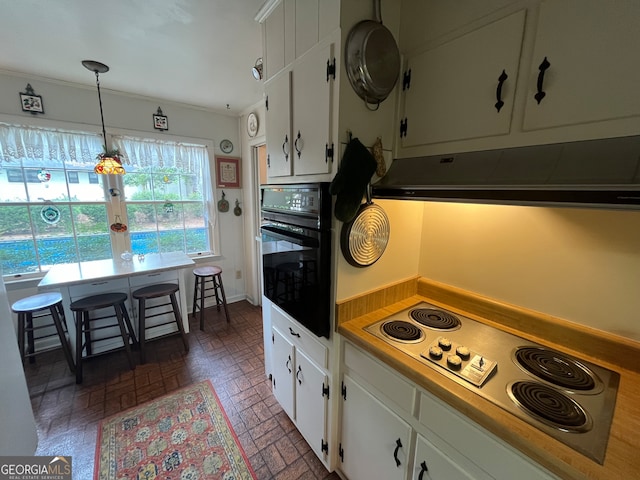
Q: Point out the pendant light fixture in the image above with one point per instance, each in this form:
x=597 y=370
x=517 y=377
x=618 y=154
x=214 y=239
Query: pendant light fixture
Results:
x=109 y=162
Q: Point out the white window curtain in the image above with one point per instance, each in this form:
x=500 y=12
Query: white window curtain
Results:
x=189 y=158
x=48 y=147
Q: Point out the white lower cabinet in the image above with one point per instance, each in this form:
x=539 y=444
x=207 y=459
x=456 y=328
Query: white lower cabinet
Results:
x=431 y=463
x=300 y=380
x=393 y=429
x=375 y=441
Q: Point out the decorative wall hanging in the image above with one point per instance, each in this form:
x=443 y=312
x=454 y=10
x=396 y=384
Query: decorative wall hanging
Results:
x=160 y=121
x=228 y=172
x=50 y=214
x=237 y=211
x=168 y=207
x=31 y=102
x=252 y=124
x=114 y=192
x=118 y=226
x=109 y=162
x=226 y=146
x=223 y=205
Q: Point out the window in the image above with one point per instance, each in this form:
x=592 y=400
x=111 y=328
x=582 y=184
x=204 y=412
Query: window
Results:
x=55 y=209
x=166 y=195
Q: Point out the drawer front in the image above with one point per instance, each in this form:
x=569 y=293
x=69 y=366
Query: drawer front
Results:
x=97 y=287
x=388 y=382
x=153 y=278
x=300 y=337
x=479 y=446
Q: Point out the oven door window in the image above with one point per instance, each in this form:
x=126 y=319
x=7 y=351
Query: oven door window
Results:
x=295 y=263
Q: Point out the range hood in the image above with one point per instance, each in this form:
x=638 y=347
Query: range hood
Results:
x=602 y=173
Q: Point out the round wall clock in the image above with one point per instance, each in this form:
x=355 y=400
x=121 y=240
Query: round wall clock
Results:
x=226 y=146
x=252 y=124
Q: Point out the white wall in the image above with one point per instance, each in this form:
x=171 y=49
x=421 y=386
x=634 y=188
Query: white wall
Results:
x=577 y=264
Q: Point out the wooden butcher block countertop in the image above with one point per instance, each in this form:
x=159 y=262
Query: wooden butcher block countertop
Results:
x=622 y=460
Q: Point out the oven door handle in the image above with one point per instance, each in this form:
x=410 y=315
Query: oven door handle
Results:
x=292 y=237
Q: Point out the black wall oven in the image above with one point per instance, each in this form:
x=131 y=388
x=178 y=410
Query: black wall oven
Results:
x=296 y=252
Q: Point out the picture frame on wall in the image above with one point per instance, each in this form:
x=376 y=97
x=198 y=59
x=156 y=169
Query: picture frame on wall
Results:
x=160 y=121
x=30 y=102
x=228 y=172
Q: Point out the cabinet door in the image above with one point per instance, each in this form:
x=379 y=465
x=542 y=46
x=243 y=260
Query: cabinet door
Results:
x=430 y=463
x=283 y=358
x=306 y=25
x=312 y=96
x=370 y=434
x=453 y=88
x=278 y=125
x=592 y=49
x=311 y=403
x=279 y=31
x=274 y=41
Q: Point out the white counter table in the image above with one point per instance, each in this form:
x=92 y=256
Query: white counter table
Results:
x=78 y=280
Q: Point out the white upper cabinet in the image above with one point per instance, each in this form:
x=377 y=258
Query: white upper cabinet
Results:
x=278 y=125
x=312 y=97
x=464 y=88
x=293 y=27
x=592 y=50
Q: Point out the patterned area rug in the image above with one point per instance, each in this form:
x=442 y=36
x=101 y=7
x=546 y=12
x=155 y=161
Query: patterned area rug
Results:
x=184 y=435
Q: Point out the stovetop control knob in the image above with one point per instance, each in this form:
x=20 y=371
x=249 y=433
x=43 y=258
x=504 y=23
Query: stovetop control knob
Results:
x=454 y=362
x=435 y=352
x=463 y=352
x=444 y=343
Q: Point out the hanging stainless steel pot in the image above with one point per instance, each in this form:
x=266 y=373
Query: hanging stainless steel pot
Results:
x=372 y=60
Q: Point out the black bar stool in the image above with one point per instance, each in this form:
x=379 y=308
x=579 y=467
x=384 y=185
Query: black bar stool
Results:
x=26 y=308
x=208 y=279
x=83 y=307
x=156 y=291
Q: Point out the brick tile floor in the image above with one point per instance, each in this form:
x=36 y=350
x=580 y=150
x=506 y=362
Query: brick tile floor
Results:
x=230 y=355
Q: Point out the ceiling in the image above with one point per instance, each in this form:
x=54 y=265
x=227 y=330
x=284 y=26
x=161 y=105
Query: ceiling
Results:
x=197 y=52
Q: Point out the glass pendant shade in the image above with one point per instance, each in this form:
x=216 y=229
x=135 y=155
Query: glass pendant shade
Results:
x=108 y=162
x=109 y=166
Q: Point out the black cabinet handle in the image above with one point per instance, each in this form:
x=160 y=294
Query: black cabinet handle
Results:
x=424 y=468
x=543 y=68
x=395 y=452
x=285 y=148
x=501 y=79
x=288 y=364
x=295 y=334
x=295 y=144
x=298 y=375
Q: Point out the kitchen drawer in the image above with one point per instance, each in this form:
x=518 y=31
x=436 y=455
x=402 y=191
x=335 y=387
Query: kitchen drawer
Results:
x=300 y=337
x=386 y=381
x=97 y=287
x=493 y=456
x=153 y=278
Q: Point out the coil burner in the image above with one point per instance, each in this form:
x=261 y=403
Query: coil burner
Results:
x=434 y=318
x=402 y=331
x=550 y=406
x=557 y=369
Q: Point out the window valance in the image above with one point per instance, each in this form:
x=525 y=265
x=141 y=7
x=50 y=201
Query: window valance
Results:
x=48 y=147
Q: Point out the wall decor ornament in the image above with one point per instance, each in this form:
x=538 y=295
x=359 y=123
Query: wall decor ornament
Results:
x=252 y=125
x=237 y=211
x=31 y=102
x=228 y=172
x=223 y=204
x=160 y=120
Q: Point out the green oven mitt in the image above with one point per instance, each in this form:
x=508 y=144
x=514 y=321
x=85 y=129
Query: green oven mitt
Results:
x=350 y=183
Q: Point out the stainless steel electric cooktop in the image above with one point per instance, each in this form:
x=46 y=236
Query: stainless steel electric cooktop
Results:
x=570 y=399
